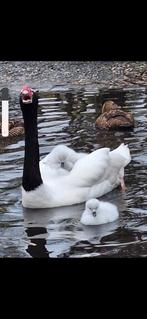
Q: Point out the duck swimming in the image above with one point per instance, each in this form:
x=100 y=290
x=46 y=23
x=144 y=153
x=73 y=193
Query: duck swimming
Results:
x=113 y=117
x=92 y=175
x=98 y=212
x=16 y=128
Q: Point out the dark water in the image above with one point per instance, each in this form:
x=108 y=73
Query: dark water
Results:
x=68 y=116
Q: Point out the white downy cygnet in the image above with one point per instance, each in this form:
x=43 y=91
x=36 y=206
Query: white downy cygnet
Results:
x=61 y=159
x=98 y=212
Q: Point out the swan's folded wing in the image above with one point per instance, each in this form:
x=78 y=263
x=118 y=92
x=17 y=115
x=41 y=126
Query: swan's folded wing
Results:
x=120 y=157
x=91 y=168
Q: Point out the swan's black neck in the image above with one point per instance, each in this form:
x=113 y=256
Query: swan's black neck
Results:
x=31 y=171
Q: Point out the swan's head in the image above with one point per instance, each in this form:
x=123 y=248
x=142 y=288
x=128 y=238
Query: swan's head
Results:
x=28 y=99
x=108 y=106
x=26 y=95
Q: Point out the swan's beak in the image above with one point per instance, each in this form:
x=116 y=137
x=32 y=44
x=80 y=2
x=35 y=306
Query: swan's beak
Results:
x=94 y=213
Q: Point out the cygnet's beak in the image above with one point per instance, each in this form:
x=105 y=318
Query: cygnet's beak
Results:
x=94 y=213
x=62 y=164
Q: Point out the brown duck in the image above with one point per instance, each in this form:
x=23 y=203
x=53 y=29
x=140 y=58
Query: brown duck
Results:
x=113 y=117
x=16 y=128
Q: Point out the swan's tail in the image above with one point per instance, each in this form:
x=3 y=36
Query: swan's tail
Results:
x=124 y=152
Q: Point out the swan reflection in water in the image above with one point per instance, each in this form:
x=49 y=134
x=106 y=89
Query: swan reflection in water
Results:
x=55 y=231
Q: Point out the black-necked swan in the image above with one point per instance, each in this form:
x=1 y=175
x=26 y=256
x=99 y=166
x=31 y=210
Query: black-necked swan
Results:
x=93 y=175
x=98 y=212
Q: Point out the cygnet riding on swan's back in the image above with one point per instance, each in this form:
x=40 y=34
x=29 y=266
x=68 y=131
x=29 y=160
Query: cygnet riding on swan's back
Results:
x=98 y=212
x=59 y=162
x=92 y=175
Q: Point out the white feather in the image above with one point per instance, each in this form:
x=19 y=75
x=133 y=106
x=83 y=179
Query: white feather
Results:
x=104 y=212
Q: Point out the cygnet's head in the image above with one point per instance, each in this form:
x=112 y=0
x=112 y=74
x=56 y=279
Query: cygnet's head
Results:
x=91 y=212
x=92 y=206
x=61 y=156
x=60 y=153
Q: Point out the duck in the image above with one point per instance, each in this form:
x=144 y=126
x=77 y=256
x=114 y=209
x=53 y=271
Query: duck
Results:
x=99 y=212
x=59 y=161
x=92 y=175
x=16 y=128
x=113 y=117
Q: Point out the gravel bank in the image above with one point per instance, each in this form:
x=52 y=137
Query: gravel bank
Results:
x=42 y=74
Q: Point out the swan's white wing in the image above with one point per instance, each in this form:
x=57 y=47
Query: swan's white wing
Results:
x=90 y=169
x=120 y=157
x=102 y=188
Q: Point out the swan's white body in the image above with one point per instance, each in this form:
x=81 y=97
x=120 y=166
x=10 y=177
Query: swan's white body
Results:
x=98 y=212
x=92 y=175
